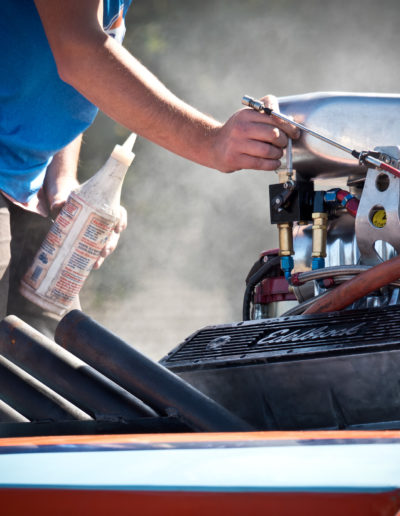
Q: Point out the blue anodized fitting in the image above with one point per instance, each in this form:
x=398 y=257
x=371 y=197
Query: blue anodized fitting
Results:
x=287 y=265
x=317 y=263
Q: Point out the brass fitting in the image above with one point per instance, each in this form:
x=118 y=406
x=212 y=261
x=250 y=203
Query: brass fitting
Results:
x=285 y=230
x=319 y=234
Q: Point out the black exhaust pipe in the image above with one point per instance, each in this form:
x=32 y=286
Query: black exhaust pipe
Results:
x=149 y=381
x=66 y=374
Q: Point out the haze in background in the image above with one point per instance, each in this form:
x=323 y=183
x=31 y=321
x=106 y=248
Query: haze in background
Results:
x=194 y=233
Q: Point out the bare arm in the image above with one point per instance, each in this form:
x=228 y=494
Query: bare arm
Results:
x=110 y=77
x=61 y=175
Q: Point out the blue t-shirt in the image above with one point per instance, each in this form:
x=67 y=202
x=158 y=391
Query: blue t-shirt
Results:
x=39 y=113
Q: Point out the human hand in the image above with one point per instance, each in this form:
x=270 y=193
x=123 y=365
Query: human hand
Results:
x=58 y=202
x=112 y=241
x=58 y=195
x=57 y=192
x=251 y=140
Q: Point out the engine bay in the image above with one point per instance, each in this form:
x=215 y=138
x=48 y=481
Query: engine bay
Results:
x=318 y=345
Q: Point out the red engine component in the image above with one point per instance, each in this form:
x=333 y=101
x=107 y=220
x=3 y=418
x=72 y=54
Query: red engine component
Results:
x=273 y=289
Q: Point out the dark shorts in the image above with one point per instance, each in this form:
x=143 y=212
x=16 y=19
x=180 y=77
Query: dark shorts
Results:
x=21 y=233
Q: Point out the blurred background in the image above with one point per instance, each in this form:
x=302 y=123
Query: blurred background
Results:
x=194 y=233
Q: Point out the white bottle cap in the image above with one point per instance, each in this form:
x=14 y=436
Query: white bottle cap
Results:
x=123 y=153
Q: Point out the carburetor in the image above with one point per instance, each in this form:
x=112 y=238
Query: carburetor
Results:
x=337 y=209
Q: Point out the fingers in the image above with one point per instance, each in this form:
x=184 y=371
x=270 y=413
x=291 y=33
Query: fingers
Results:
x=260 y=127
x=122 y=220
x=260 y=149
x=57 y=190
x=113 y=239
x=248 y=162
x=55 y=208
x=110 y=246
x=255 y=126
x=271 y=102
x=99 y=263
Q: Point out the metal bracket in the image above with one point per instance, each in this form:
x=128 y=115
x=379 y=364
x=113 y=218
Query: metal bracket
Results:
x=379 y=155
x=378 y=215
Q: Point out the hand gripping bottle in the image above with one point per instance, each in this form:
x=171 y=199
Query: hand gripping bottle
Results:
x=78 y=235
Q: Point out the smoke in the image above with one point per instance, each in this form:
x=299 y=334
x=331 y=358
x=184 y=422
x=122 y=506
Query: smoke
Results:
x=194 y=233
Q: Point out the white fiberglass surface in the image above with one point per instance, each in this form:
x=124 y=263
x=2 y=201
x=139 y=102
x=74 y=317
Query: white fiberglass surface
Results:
x=350 y=466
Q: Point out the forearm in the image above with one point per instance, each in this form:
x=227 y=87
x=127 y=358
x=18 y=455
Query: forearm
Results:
x=109 y=76
x=142 y=103
x=61 y=174
x=115 y=81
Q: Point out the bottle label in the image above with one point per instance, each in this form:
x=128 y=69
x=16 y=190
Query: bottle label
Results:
x=52 y=243
x=69 y=251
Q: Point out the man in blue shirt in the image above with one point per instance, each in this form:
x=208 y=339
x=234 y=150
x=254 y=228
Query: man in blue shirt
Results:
x=62 y=58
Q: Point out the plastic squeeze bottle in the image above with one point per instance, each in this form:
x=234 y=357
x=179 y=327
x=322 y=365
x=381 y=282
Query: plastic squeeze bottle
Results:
x=79 y=233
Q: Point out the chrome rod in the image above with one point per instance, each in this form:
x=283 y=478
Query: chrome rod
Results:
x=261 y=108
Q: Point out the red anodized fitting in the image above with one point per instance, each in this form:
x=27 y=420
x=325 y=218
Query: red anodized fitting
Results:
x=348 y=201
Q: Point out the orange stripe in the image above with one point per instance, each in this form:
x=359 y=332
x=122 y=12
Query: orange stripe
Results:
x=200 y=437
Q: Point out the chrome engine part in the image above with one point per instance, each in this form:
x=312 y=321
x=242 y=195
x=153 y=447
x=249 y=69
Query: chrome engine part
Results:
x=363 y=121
x=336 y=233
